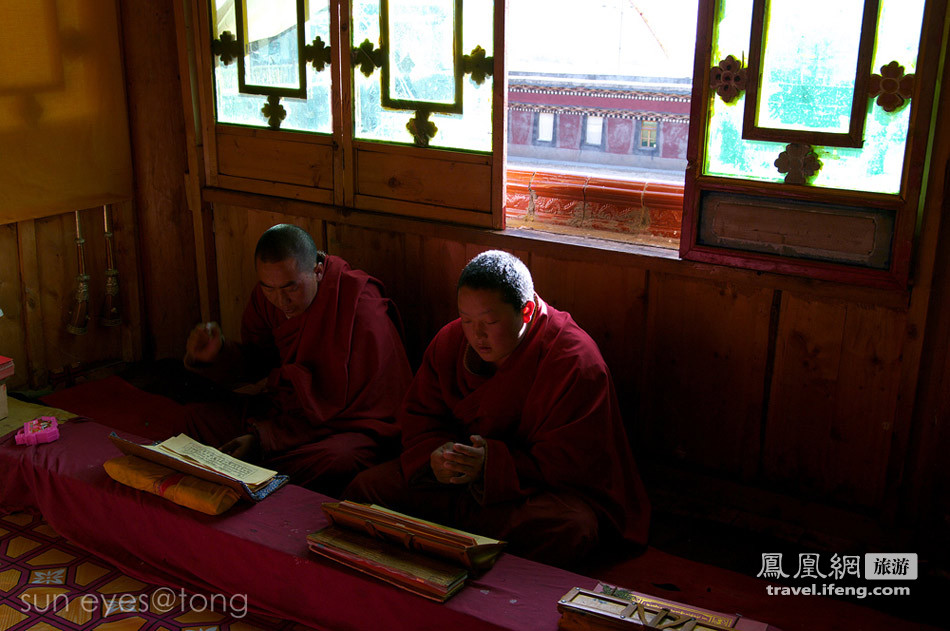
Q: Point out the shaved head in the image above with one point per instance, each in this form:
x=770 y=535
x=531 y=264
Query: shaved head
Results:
x=502 y=272
x=285 y=241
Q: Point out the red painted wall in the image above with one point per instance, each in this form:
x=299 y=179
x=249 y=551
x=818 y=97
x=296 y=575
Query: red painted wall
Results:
x=569 y=131
x=673 y=137
x=620 y=133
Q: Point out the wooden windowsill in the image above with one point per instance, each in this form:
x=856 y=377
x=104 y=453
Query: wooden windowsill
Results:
x=649 y=213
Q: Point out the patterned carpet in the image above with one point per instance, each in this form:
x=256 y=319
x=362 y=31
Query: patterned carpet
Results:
x=47 y=584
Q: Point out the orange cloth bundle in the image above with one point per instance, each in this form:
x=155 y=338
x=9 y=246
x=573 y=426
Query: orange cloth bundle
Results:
x=185 y=490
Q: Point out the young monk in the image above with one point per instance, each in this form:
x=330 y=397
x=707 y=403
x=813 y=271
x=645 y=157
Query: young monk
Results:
x=511 y=427
x=336 y=368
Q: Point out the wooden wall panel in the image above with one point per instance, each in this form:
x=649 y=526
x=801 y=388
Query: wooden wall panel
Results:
x=610 y=304
x=442 y=262
x=12 y=327
x=393 y=258
x=236 y=233
x=125 y=237
x=704 y=370
x=159 y=157
x=833 y=398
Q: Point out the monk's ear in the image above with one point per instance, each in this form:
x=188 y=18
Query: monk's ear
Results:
x=318 y=270
x=527 y=311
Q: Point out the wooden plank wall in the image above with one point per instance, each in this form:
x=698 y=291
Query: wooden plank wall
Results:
x=745 y=381
x=38 y=269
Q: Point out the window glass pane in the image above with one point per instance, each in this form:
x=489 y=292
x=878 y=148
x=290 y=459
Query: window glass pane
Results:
x=898 y=34
x=614 y=61
x=311 y=114
x=545 y=127
x=876 y=167
x=470 y=130
x=595 y=128
x=271 y=56
x=808 y=65
x=422 y=59
x=648 y=134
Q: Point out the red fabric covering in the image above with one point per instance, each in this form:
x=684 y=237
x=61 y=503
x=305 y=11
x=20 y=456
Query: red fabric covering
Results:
x=66 y=477
x=113 y=401
x=342 y=367
x=549 y=414
x=255 y=549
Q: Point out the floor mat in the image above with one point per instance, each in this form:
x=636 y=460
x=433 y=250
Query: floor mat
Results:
x=47 y=584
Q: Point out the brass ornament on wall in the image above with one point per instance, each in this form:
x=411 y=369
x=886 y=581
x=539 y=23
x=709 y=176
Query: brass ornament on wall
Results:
x=421 y=128
x=226 y=47
x=892 y=87
x=274 y=112
x=799 y=162
x=109 y=315
x=728 y=79
x=478 y=65
x=318 y=54
x=79 y=314
x=368 y=58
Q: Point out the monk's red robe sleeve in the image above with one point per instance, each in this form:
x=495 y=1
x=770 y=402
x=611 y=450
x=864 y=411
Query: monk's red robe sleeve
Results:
x=425 y=419
x=350 y=387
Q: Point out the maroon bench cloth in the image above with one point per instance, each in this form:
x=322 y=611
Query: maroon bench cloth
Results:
x=255 y=549
x=115 y=402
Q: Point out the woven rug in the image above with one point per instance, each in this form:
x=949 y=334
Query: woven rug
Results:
x=46 y=584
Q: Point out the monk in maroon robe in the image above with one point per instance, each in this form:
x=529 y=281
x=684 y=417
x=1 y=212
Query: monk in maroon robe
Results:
x=511 y=428
x=330 y=346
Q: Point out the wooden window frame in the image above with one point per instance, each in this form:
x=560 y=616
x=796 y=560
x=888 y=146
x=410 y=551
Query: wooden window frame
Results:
x=376 y=173
x=638 y=146
x=855 y=136
x=453 y=186
x=903 y=206
x=588 y=146
x=536 y=130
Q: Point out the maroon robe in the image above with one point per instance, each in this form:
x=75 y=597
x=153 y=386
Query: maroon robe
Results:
x=342 y=366
x=549 y=415
x=341 y=372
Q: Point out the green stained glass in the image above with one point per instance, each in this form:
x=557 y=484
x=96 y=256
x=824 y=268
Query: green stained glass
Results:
x=808 y=65
x=898 y=34
x=876 y=167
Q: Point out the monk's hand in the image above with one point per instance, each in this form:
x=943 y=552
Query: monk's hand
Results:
x=466 y=462
x=204 y=343
x=244 y=447
x=438 y=463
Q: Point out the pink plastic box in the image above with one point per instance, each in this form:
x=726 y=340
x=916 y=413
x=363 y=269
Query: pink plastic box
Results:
x=43 y=429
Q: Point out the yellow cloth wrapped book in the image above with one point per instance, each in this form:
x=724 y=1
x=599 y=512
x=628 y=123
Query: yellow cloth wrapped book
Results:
x=185 y=490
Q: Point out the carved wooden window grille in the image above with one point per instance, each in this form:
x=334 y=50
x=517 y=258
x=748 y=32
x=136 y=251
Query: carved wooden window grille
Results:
x=271 y=63
x=433 y=86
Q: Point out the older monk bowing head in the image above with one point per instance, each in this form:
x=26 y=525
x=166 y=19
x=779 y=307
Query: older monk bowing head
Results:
x=511 y=427
x=329 y=344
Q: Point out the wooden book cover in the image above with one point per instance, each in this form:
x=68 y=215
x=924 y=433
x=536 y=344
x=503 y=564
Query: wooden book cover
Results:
x=456 y=546
x=251 y=482
x=432 y=578
x=607 y=608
